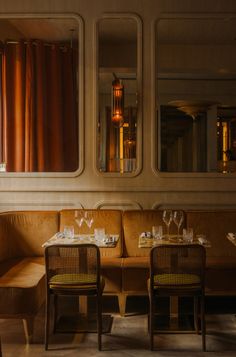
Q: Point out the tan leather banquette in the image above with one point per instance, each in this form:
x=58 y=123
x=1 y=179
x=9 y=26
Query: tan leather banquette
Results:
x=125 y=267
x=22 y=272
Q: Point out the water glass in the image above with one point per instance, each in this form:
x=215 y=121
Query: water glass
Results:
x=99 y=234
x=69 y=231
x=88 y=218
x=157 y=232
x=188 y=235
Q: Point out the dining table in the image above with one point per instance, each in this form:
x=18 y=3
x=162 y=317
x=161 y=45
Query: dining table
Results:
x=106 y=241
x=149 y=241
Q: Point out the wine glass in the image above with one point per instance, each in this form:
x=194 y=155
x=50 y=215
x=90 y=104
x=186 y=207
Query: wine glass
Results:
x=88 y=218
x=178 y=220
x=167 y=219
x=84 y=217
x=79 y=218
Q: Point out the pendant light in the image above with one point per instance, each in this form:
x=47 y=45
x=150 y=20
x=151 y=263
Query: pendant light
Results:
x=117 y=113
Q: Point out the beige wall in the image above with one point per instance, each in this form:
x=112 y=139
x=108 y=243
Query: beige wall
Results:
x=148 y=188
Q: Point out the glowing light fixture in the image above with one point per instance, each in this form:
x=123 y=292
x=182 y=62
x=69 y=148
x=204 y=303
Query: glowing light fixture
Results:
x=117 y=114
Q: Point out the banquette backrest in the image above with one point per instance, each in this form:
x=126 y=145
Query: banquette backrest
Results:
x=215 y=225
x=111 y=220
x=22 y=233
x=136 y=222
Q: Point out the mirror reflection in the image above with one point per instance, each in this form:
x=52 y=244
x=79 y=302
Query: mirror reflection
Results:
x=117 y=76
x=196 y=87
x=39 y=95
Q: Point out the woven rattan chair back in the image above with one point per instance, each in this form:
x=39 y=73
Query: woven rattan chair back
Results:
x=177 y=270
x=75 y=262
x=73 y=270
x=176 y=266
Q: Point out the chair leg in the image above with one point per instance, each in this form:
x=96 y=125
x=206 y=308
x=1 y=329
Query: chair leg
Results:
x=151 y=320
x=28 y=324
x=122 y=303
x=99 y=320
x=47 y=320
x=203 y=323
x=55 y=310
x=196 y=324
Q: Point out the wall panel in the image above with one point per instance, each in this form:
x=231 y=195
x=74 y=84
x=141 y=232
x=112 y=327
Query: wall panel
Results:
x=149 y=189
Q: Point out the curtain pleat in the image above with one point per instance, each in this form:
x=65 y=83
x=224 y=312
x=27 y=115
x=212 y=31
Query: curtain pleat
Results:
x=30 y=164
x=54 y=115
x=39 y=108
x=70 y=127
x=14 y=78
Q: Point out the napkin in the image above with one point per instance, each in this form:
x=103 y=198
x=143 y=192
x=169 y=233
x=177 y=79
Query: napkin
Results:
x=146 y=235
x=202 y=240
x=60 y=235
x=109 y=239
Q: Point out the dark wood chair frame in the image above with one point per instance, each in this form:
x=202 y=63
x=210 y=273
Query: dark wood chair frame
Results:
x=197 y=293
x=55 y=292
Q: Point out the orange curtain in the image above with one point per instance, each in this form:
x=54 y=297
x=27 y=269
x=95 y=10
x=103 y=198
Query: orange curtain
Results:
x=40 y=130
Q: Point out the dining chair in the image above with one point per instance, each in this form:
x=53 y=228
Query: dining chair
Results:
x=73 y=270
x=178 y=270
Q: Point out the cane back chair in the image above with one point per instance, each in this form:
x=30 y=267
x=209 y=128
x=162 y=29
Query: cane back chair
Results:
x=177 y=270
x=73 y=270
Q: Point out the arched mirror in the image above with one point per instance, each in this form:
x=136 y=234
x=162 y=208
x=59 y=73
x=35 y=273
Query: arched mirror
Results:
x=196 y=94
x=40 y=75
x=119 y=87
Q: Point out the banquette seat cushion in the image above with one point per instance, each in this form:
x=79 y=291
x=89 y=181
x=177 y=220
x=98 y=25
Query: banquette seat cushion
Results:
x=22 y=286
x=22 y=271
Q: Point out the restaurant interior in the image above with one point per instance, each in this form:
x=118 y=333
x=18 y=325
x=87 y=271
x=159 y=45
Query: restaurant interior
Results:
x=117 y=177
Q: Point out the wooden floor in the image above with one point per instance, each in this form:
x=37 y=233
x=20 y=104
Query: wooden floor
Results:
x=128 y=336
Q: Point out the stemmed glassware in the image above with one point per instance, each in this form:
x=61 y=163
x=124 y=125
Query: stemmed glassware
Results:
x=178 y=218
x=88 y=219
x=84 y=216
x=79 y=217
x=167 y=219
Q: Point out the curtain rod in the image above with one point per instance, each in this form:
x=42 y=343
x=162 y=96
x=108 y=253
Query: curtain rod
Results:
x=34 y=42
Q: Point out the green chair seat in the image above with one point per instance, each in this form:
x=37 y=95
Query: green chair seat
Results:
x=176 y=279
x=72 y=280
